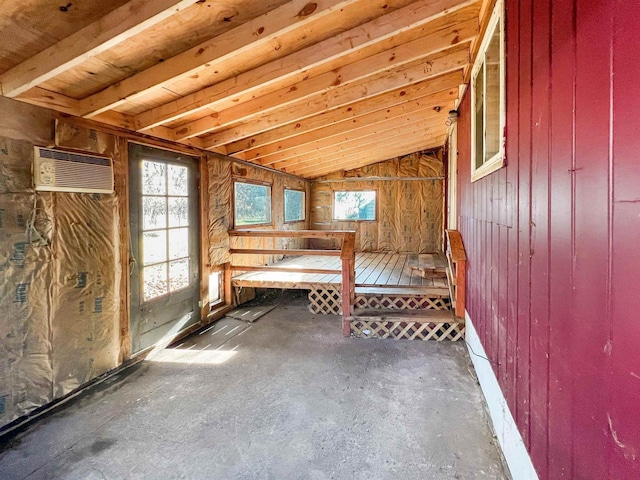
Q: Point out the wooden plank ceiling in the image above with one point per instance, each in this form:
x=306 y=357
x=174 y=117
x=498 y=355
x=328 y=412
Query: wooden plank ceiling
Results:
x=303 y=87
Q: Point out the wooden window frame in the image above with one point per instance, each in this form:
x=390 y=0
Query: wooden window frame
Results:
x=233 y=203
x=333 y=205
x=284 y=205
x=498 y=160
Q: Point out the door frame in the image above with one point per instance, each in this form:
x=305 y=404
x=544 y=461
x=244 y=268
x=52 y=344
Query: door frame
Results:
x=135 y=151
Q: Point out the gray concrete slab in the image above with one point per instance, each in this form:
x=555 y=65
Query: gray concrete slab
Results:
x=284 y=398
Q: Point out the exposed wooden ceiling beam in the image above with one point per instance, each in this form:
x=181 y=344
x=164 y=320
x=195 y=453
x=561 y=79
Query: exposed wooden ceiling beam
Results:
x=389 y=128
x=404 y=55
x=61 y=103
x=426 y=105
x=410 y=93
x=393 y=29
x=115 y=27
x=340 y=96
x=250 y=38
x=374 y=155
x=332 y=155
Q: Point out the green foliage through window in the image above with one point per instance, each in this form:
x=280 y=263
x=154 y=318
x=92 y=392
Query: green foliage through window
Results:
x=294 y=208
x=252 y=204
x=354 y=205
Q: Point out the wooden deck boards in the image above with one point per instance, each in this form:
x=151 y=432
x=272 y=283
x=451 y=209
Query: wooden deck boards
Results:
x=377 y=269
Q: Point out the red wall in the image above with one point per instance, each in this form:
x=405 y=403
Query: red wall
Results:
x=553 y=239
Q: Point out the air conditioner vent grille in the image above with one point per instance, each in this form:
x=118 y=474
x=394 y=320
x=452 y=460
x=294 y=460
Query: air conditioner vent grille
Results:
x=60 y=171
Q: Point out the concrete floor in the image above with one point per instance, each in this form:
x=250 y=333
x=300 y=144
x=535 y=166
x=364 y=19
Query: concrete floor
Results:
x=286 y=397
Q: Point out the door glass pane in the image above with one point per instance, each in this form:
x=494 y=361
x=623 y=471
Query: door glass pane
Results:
x=178 y=243
x=154 y=179
x=179 y=274
x=165 y=243
x=154 y=247
x=155 y=281
x=178 y=211
x=154 y=212
x=178 y=180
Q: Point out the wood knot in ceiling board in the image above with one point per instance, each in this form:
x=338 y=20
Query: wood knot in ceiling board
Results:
x=437 y=109
x=259 y=32
x=455 y=40
x=65 y=8
x=182 y=131
x=293 y=88
x=308 y=9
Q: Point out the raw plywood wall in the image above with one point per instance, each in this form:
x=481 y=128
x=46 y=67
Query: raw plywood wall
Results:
x=222 y=172
x=410 y=217
x=59 y=301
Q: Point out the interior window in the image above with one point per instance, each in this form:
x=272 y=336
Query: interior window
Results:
x=294 y=205
x=252 y=203
x=354 y=205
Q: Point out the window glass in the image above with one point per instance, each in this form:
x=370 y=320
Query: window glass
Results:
x=355 y=205
x=215 y=288
x=252 y=204
x=488 y=97
x=294 y=208
x=492 y=97
x=479 y=116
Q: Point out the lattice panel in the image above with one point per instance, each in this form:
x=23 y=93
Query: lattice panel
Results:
x=328 y=302
x=402 y=303
x=407 y=330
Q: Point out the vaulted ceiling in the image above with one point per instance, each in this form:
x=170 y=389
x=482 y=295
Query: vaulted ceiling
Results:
x=303 y=87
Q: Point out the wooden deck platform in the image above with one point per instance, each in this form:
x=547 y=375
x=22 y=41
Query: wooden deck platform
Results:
x=375 y=272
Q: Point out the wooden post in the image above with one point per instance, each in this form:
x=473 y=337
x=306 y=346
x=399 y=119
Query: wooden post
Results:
x=228 y=292
x=205 y=266
x=121 y=167
x=457 y=267
x=461 y=268
x=348 y=280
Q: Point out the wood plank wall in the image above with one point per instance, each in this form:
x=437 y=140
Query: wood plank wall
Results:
x=552 y=239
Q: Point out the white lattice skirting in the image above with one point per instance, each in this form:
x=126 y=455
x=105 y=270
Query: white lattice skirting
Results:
x=407 y=330
x=330 y=302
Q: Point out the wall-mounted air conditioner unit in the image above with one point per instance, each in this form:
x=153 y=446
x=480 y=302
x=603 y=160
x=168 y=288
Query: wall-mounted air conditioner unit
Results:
x=60 y=171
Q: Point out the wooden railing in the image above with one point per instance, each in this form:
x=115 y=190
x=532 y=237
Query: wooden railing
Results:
x=456 y=273
x=346 y=253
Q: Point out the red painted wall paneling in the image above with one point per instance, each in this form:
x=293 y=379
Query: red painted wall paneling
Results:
x=553 y=239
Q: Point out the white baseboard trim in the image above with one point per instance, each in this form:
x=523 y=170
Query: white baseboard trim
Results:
x=513 y=448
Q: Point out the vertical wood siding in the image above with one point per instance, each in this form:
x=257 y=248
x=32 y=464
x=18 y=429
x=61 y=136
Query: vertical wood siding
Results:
x=553 y=239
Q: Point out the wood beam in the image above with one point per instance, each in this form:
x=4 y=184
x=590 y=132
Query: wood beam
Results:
x=375 y=156
x=345 y=114
x=67 y=105
x=404 y=55
x=250 y=38
x=329 y=156
x=393 y=29
x=115 y=27
x=392 y=127
x=425 y=105
x=340 y=96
